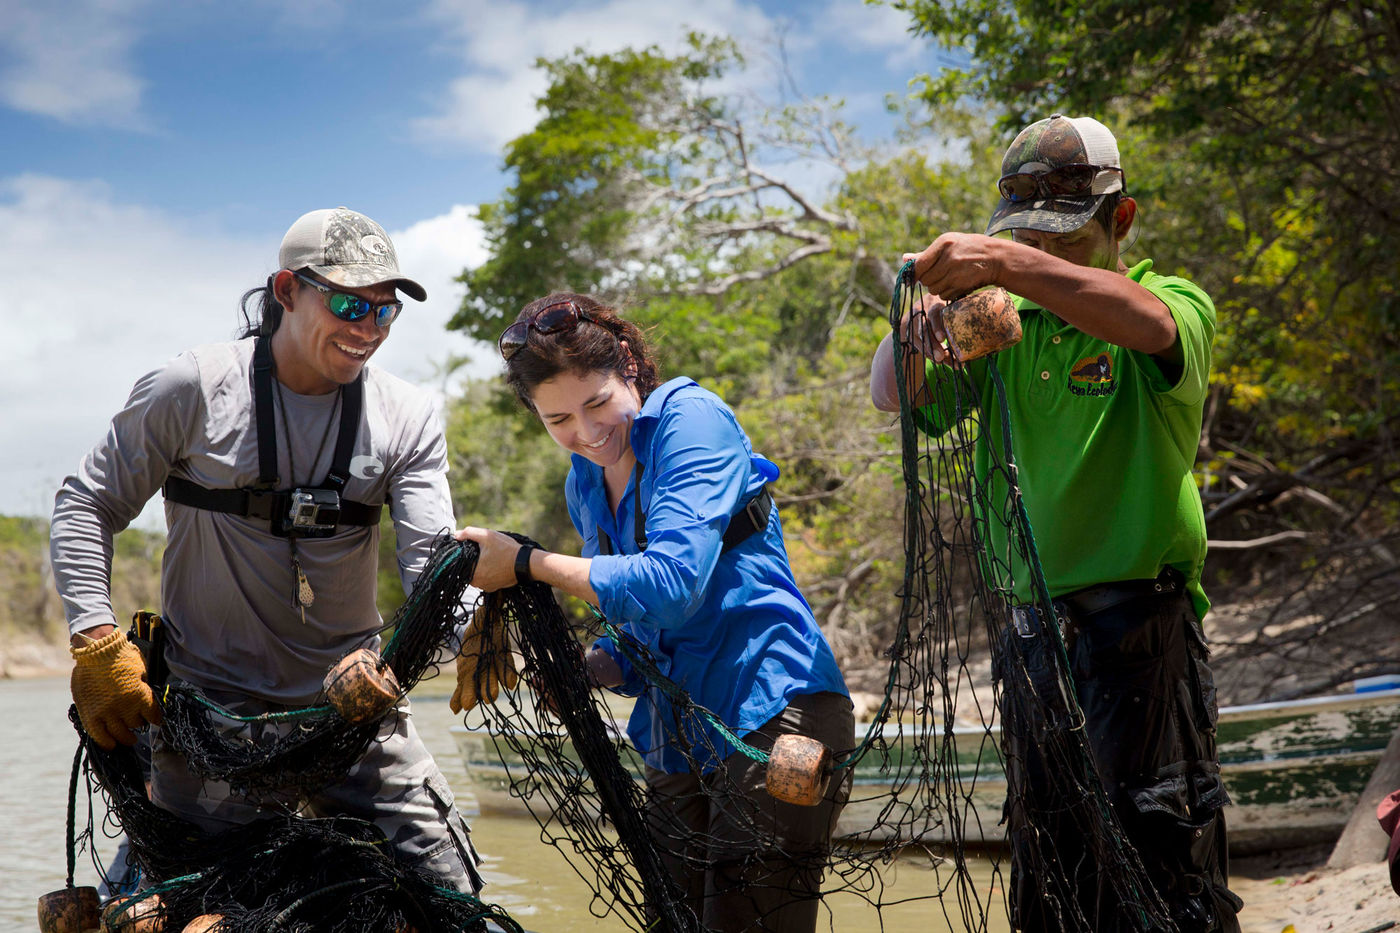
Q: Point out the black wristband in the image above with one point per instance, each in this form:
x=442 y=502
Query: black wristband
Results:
x=522 y=563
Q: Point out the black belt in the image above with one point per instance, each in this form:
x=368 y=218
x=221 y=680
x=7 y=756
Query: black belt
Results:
x=1103 y=596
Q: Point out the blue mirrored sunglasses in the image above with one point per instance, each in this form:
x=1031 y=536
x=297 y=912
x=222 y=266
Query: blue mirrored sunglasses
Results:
x=352 y=307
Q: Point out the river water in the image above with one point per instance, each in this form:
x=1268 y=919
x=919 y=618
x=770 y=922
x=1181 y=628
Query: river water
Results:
x=530 y=880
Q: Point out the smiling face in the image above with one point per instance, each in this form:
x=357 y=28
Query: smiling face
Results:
x=590 y=414
x=317 y=352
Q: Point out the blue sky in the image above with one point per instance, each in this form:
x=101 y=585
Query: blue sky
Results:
x=155 y=152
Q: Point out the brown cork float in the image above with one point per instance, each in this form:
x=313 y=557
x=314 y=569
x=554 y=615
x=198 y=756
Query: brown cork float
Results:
x=799 y=769
x=124 y=915
x=362 y=688
x=203 y=923
x=981 y=323
x=71 y=910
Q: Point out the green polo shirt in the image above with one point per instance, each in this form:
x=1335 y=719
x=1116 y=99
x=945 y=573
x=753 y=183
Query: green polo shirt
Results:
x=1104 y=440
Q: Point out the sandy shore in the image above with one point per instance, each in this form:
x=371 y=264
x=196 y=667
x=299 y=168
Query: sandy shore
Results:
x=19 y=658
x=1294 y=889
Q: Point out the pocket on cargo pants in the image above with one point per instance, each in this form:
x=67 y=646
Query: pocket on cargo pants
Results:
x=456 y=853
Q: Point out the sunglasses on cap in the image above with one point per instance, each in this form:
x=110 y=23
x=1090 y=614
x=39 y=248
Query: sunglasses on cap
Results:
x=1075 y=180
x=352 y=307
x=551 y=319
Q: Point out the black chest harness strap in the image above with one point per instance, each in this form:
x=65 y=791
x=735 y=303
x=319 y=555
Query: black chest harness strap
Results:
x=264 y=501
x=753 y=517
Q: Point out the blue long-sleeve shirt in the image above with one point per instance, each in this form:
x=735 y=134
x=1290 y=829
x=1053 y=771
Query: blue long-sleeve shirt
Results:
x=731 y=628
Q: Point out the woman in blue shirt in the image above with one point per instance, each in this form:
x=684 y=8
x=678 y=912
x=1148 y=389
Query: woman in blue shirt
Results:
x=683 y=550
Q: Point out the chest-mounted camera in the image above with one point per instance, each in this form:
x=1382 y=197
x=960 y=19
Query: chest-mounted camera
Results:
x=313 y=513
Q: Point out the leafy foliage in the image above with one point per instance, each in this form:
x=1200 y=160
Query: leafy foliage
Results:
x=770 y=294
x=1288 y=114
x=639 y=180
x=611 y=130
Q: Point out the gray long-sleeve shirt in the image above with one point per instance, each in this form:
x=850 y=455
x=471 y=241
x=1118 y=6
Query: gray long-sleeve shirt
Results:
x=227 y=581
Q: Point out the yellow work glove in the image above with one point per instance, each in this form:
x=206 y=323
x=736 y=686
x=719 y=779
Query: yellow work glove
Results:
x=485 y=663
x=110 y=690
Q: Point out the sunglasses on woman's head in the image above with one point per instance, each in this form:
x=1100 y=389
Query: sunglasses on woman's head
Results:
x=1068 y=181
x=551 y=319
x=352 y=307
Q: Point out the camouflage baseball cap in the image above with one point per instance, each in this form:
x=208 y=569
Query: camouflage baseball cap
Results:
x=1047 y=145
x=345 y=248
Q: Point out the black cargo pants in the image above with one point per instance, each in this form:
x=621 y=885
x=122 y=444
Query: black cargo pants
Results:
x=1142 y=680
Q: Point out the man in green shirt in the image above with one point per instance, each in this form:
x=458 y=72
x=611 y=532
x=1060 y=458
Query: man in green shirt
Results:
x=1105 y=393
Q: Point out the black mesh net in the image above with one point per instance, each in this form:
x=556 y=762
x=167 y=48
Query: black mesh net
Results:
x=285 y=872
x=979 y=740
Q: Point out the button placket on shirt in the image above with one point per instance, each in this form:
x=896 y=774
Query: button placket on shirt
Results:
x=1041 y=388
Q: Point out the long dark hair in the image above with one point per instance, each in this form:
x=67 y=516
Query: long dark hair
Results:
x=263 y=319
x=595 y=345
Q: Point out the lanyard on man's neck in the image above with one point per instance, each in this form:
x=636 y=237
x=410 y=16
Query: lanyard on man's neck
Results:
x=351 y=402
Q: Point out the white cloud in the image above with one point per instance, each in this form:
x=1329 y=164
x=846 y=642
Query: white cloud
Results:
x=878 y=28
x=434 y=252
x=99 y=292
x=499 y=41
x=71 y=60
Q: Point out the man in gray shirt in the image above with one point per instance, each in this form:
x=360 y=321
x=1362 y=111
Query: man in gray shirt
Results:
x=262 y=594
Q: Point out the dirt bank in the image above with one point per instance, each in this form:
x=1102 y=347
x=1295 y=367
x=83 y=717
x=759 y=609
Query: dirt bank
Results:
x=1293 y=888
x=33 y=659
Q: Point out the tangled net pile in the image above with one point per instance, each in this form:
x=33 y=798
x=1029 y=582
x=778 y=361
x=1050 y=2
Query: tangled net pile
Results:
x=285 y=873
x=979 y=736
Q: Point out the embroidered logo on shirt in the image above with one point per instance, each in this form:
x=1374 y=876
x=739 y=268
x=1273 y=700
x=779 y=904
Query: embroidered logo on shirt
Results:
x=1093 y=376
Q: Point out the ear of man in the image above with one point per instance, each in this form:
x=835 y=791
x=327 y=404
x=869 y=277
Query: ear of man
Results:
x=1123 y=218
x=283 y=285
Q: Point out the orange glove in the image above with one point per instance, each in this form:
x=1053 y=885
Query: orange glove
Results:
x=110 y=690
x=485 y=663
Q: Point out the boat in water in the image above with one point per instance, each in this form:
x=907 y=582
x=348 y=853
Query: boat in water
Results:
x=1294 y=770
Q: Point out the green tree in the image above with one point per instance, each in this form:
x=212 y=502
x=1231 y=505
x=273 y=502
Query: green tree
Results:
x=770 y=292
x=1269 y=137
x=1299 y=94
x=640 y=180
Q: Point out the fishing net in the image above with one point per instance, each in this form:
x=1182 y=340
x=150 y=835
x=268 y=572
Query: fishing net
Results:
x=974 y=600
x=303 y=750
x=578 y=773
x=978 y=740
x=569 y=761
x=283 y=872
